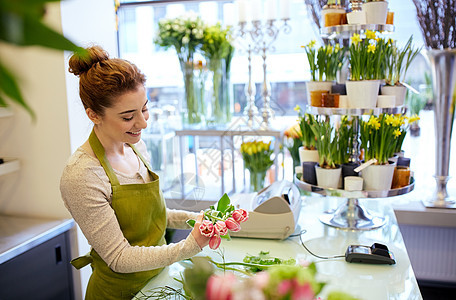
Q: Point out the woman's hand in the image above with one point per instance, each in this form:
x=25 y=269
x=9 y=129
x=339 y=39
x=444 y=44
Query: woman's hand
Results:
x=202 y=240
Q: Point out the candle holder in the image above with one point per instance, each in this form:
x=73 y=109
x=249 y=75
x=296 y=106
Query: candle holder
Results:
x=261 y=36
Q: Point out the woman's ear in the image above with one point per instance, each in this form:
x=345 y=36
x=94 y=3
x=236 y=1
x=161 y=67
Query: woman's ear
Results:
x=93 y=116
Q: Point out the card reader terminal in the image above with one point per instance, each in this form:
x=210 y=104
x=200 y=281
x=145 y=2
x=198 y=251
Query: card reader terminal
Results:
x=375 y=254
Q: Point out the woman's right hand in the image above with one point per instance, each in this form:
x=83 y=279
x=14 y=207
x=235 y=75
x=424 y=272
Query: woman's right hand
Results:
x=202 y=240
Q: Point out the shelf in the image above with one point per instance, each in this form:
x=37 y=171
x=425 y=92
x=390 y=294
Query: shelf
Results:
x=346 y=31
x=355 y=194
x=9 y=165
x=329 y=111
x=5 y=112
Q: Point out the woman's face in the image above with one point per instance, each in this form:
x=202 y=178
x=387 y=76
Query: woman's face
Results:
x=124 y=121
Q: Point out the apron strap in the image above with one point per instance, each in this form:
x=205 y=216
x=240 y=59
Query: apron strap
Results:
x=82 y=261
x=99 y=151
x=145 y=162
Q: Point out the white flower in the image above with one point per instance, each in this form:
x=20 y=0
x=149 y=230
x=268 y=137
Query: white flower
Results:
x=185 y=40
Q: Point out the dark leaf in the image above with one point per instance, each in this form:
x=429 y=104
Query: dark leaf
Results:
x=10 y=88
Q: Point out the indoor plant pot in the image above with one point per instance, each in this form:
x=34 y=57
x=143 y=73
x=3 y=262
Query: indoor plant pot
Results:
x=376 y=12
x=397 y=90
x=307 y=155
x=378 y=177
x=362 y=93
x=328 y=178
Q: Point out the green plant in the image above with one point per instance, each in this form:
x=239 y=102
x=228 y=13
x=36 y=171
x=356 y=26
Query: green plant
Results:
x=382 y=136
x=398 y=61
x=345 y=135
x=305 y=124
x=324 y=62
x=21 y=24
x=367 y=56
x=327 y=144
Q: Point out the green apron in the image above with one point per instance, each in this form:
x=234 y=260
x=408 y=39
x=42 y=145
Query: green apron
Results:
x=141 y=213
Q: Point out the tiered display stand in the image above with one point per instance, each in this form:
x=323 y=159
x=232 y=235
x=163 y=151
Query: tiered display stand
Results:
x=351 y=215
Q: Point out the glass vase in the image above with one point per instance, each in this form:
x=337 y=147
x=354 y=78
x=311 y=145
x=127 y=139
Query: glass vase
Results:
x=192 y=112
x=257 y=179
x=220 y=101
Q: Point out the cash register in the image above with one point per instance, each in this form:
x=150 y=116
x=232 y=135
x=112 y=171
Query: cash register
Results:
x=273 y=211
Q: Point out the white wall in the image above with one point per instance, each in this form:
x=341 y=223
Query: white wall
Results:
x=44 y=147
x=85 y=22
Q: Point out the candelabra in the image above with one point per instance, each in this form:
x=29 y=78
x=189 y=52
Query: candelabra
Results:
x=260 y=36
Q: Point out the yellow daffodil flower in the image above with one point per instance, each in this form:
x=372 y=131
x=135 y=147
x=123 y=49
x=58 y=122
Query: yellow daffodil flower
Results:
x=355 y=39
x=397 y=133
x=297 y=108
x=311 y=44
x=413 y=118
x=371 y=48
x=370 y=34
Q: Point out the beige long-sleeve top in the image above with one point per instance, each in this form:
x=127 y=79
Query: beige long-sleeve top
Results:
x=86 y=192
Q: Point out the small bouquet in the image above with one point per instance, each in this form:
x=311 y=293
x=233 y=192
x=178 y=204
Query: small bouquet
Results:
x=218 y=221
x=257 y=156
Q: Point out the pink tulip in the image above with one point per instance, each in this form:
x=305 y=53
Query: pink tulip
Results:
x=218 y=287
x=302 y=291
x=232 y=224
x=261 y=279
x=284 y=287
x=240 y=215
x=207 y=228
x=220 y=228
x=215 y=241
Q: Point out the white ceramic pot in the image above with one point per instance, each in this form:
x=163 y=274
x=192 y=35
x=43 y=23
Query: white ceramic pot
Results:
x=328 y=178
x=356 y=17
x=378 y=177
x=376 y=12
x=307 y=155
x=363 y=93
x=397 y=90
x=317 y=86
x=386 y=101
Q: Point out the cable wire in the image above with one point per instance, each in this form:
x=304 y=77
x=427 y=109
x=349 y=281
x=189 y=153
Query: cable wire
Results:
x=318 y=256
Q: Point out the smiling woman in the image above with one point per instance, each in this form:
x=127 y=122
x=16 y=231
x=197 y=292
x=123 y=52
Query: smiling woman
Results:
x=109 y=188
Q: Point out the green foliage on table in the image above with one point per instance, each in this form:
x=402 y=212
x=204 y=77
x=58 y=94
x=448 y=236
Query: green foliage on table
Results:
x=367 y=56
x=22 y=25
x=263 y=260
x=325 y=61
x=398 y=61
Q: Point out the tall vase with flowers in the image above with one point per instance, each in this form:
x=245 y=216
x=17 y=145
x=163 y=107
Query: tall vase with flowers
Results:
x=258 y=158
x=367 y=63
x=218 y=49
x=328 y=170
x=398 y=61
x=379 y=137
x=185 y=35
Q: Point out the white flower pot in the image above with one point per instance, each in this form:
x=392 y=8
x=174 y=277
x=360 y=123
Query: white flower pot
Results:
x=386 y=101
x=397 y=90
x=376 y=12
x=307 y=155
x=363 y=93
x=317 y=86
x=356 y=17
x=378 y=177
x=328 y=178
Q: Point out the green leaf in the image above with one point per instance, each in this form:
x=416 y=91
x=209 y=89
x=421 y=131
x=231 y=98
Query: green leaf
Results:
x=226 y=236
x=223 y=203
x=191 y=223
x=10 y=88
